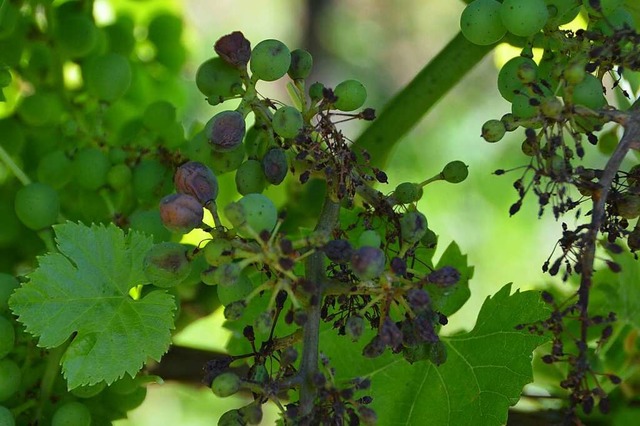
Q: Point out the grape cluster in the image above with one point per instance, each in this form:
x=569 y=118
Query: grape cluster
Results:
x=560 y=103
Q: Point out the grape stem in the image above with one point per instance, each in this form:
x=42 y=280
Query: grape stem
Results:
x=315 y=273
x=15 y=169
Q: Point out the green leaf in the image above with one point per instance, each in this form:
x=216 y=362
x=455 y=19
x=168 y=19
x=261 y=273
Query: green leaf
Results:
x=83 y=293
x=620 y=292
x=483 y=375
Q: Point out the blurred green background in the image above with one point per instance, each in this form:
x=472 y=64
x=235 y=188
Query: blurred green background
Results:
x=383 y=44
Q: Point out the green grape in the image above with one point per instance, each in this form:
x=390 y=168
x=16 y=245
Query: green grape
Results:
x=107 y=77
x=234 y=310
x=259 y=211
x=232 y=418
x=37 y=205
x=120 y=37
x=493 y=130
x=369 y=238
x=90 y=168
x=7 y=337
x=55 y=169
x=13 y=138
x=76 y=35
x=275 y=165
x=148 y=179
x=270 y=60
x=301 y=64
x=218 y=80
x=509 y=122
x=480 y=22
x=574 y=73
x=119 y=176
x=413 y=226
x=524 y=18
x=351 y=95
x=606 y=7
x=225 y=130
x=71 y=413
x=407 y=192
x=10 y=378
x=315 y=91
x=252 y=413
x=227 y=274
x=149 y=222
x=166 y=264
x=238 y=291
x=527 y=72
x=88 y=391
x=589 y=93
x=508 y=81
x=455 y=172
x=223 y=162
x=164 y=28
x=226 y=384
x=551 y=107
x=250 y=178
x=522 y=109
x=429 y=239
x=628 y=206
x=127 y=402
x=367 y=263
x=287 y=122
x=6 y=417
x=562 y=12
x=40 y=109
x=158 y=115
x=218 y=251
x=8 y=283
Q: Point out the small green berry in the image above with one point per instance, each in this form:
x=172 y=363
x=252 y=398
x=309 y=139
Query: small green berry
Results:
x=455 y=172
x=493 y=130
x=226 y=384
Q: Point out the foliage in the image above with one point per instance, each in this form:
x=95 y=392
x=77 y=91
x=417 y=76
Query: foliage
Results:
x=336 y=304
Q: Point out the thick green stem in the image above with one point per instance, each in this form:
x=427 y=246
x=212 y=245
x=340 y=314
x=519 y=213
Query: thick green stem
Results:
x=315 y=272
x=407 y=108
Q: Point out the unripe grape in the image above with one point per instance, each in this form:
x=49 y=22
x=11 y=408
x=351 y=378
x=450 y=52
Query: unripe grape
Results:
x=413 y=226
x=120 y=37
x=275 y=165
x=508 y=81
x=601 y=7
x=232 y=418
x=524 y=18
x=455 y=172
x=527 y=72
x=367 y=263
x=509 y=122
x=166 y=264
x=227 y=274
x=234 y=311
x=148 y=179
x=315 y=91
x=90 y=168
x=238 y=291
x=369 y=238
x=287 y=122
x=37 y=205
x=226 y=384
x=250 y=177
x=522 y=109
x=119 y=176
x=225 y=130
x=55 y=169
x=39 y=109
x=480 y=22
x=429 y=239
x=407 y=192
x=551 y=107
x=108 y=77
x=301 y=64
x=218 y=80
x=181 y=213
x=88 y=391
x=561 y=12
x=10 y=378
x=351 y=95
x=234 y=48
x=252 y=413
x=6 y=417
x=589 y=93
x=227 y=161
x=7 y=337
x=71 y=414
x=76 y=35
x=197 y=180
x=628 y=206
x=270 y=60
x=164 y=28
x=158 y=115
x=218 y=251
x=574 y=73
x=493 y=130
x=149 y=222
x=253 y=210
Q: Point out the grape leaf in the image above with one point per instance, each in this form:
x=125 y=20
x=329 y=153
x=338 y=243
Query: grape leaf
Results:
x=620 y=291
x=83 y=292
x=483 y=375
